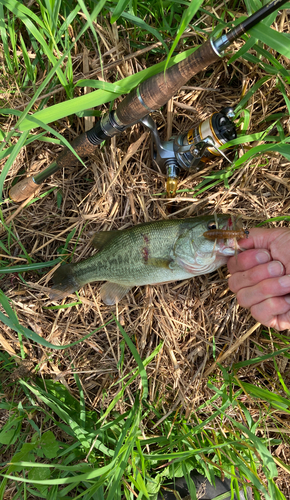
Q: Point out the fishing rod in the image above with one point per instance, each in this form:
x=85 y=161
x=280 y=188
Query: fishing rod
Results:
x=149 y=96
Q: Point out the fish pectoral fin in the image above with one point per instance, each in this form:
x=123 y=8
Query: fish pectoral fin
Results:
x=161 y=263
x=102 y=238
x=111 y=293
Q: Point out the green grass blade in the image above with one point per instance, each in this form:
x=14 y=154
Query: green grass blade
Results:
x=274 y=39
x=14 y=153
x=120 y=7
x=145 y=27
x=4 y=39
x=241 y=52
x=251 y=92
x=12 y=322
x=272 y=398
x=137 y=358
x=18 y=10
x=29 y=267
x=260 y=359
x=28 y=65
x=88 y=476
x=186 y=18
x=107 y=86
x=98 y=97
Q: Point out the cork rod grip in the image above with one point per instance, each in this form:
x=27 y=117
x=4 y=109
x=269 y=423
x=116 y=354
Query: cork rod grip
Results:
x=23 y=189
x=157 y=90
x=82 y=147
x=66 y=158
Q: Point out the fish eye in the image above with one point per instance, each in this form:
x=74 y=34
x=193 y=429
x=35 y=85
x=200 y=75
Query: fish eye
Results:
x=211 y=225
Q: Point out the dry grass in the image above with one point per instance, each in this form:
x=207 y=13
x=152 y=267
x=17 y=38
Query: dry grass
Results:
x=185 y=315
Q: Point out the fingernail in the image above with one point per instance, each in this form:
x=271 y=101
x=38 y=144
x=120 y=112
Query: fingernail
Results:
x=263 y=256
x=287 y=298
x=285 y=281
x=275 y=268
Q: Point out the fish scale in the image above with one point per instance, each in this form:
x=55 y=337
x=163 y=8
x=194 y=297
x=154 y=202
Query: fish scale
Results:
x=149 y=253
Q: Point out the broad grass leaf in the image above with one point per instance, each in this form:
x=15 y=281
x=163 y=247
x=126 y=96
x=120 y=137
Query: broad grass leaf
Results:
x=252 y=6
x=21 y=11
x=189 y=482
x=242 y=139
x=274 y=219
x=85 y=437
x=61 y=138
x=96 y=98
x=49 y=445
x=25 y=453
x=265 y=53
x=31 y=138
x=140 y=485
x=10 y=433
x=88 y=476
x=274 y=491
x=41 y=474
x=283 y=149
x=274 y=39
x=55 y=69
x=267 y=396
x=266 y=67
x=107 y=86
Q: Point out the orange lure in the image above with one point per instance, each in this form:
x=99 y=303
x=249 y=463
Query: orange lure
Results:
x=216 y=234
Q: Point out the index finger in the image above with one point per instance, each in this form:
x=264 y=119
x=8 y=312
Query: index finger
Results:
x=260 y=237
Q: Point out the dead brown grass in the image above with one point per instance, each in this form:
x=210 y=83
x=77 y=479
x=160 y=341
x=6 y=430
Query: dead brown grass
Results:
x=185 y=315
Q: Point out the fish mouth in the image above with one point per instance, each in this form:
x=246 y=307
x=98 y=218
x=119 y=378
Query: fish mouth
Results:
x=228 y=251
x=229 y=247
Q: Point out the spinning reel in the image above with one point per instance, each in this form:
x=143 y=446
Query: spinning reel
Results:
x=191 y=150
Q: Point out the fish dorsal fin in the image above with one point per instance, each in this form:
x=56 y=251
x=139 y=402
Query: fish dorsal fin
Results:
x=111 y=293
x=102 y=238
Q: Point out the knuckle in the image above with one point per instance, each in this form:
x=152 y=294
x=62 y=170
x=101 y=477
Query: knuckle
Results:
x=257 y=313
x=234 y=283
x=242 y=298
x=231 y=283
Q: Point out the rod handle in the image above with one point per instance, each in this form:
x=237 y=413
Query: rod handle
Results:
x=23 y=189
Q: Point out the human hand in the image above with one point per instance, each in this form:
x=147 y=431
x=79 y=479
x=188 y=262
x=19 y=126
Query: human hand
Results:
x=260 y=276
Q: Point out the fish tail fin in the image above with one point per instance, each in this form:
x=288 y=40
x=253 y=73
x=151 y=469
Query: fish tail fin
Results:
x=64 y=282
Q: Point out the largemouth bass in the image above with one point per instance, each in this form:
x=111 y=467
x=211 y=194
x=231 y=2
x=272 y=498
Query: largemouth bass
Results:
x=149 y=253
